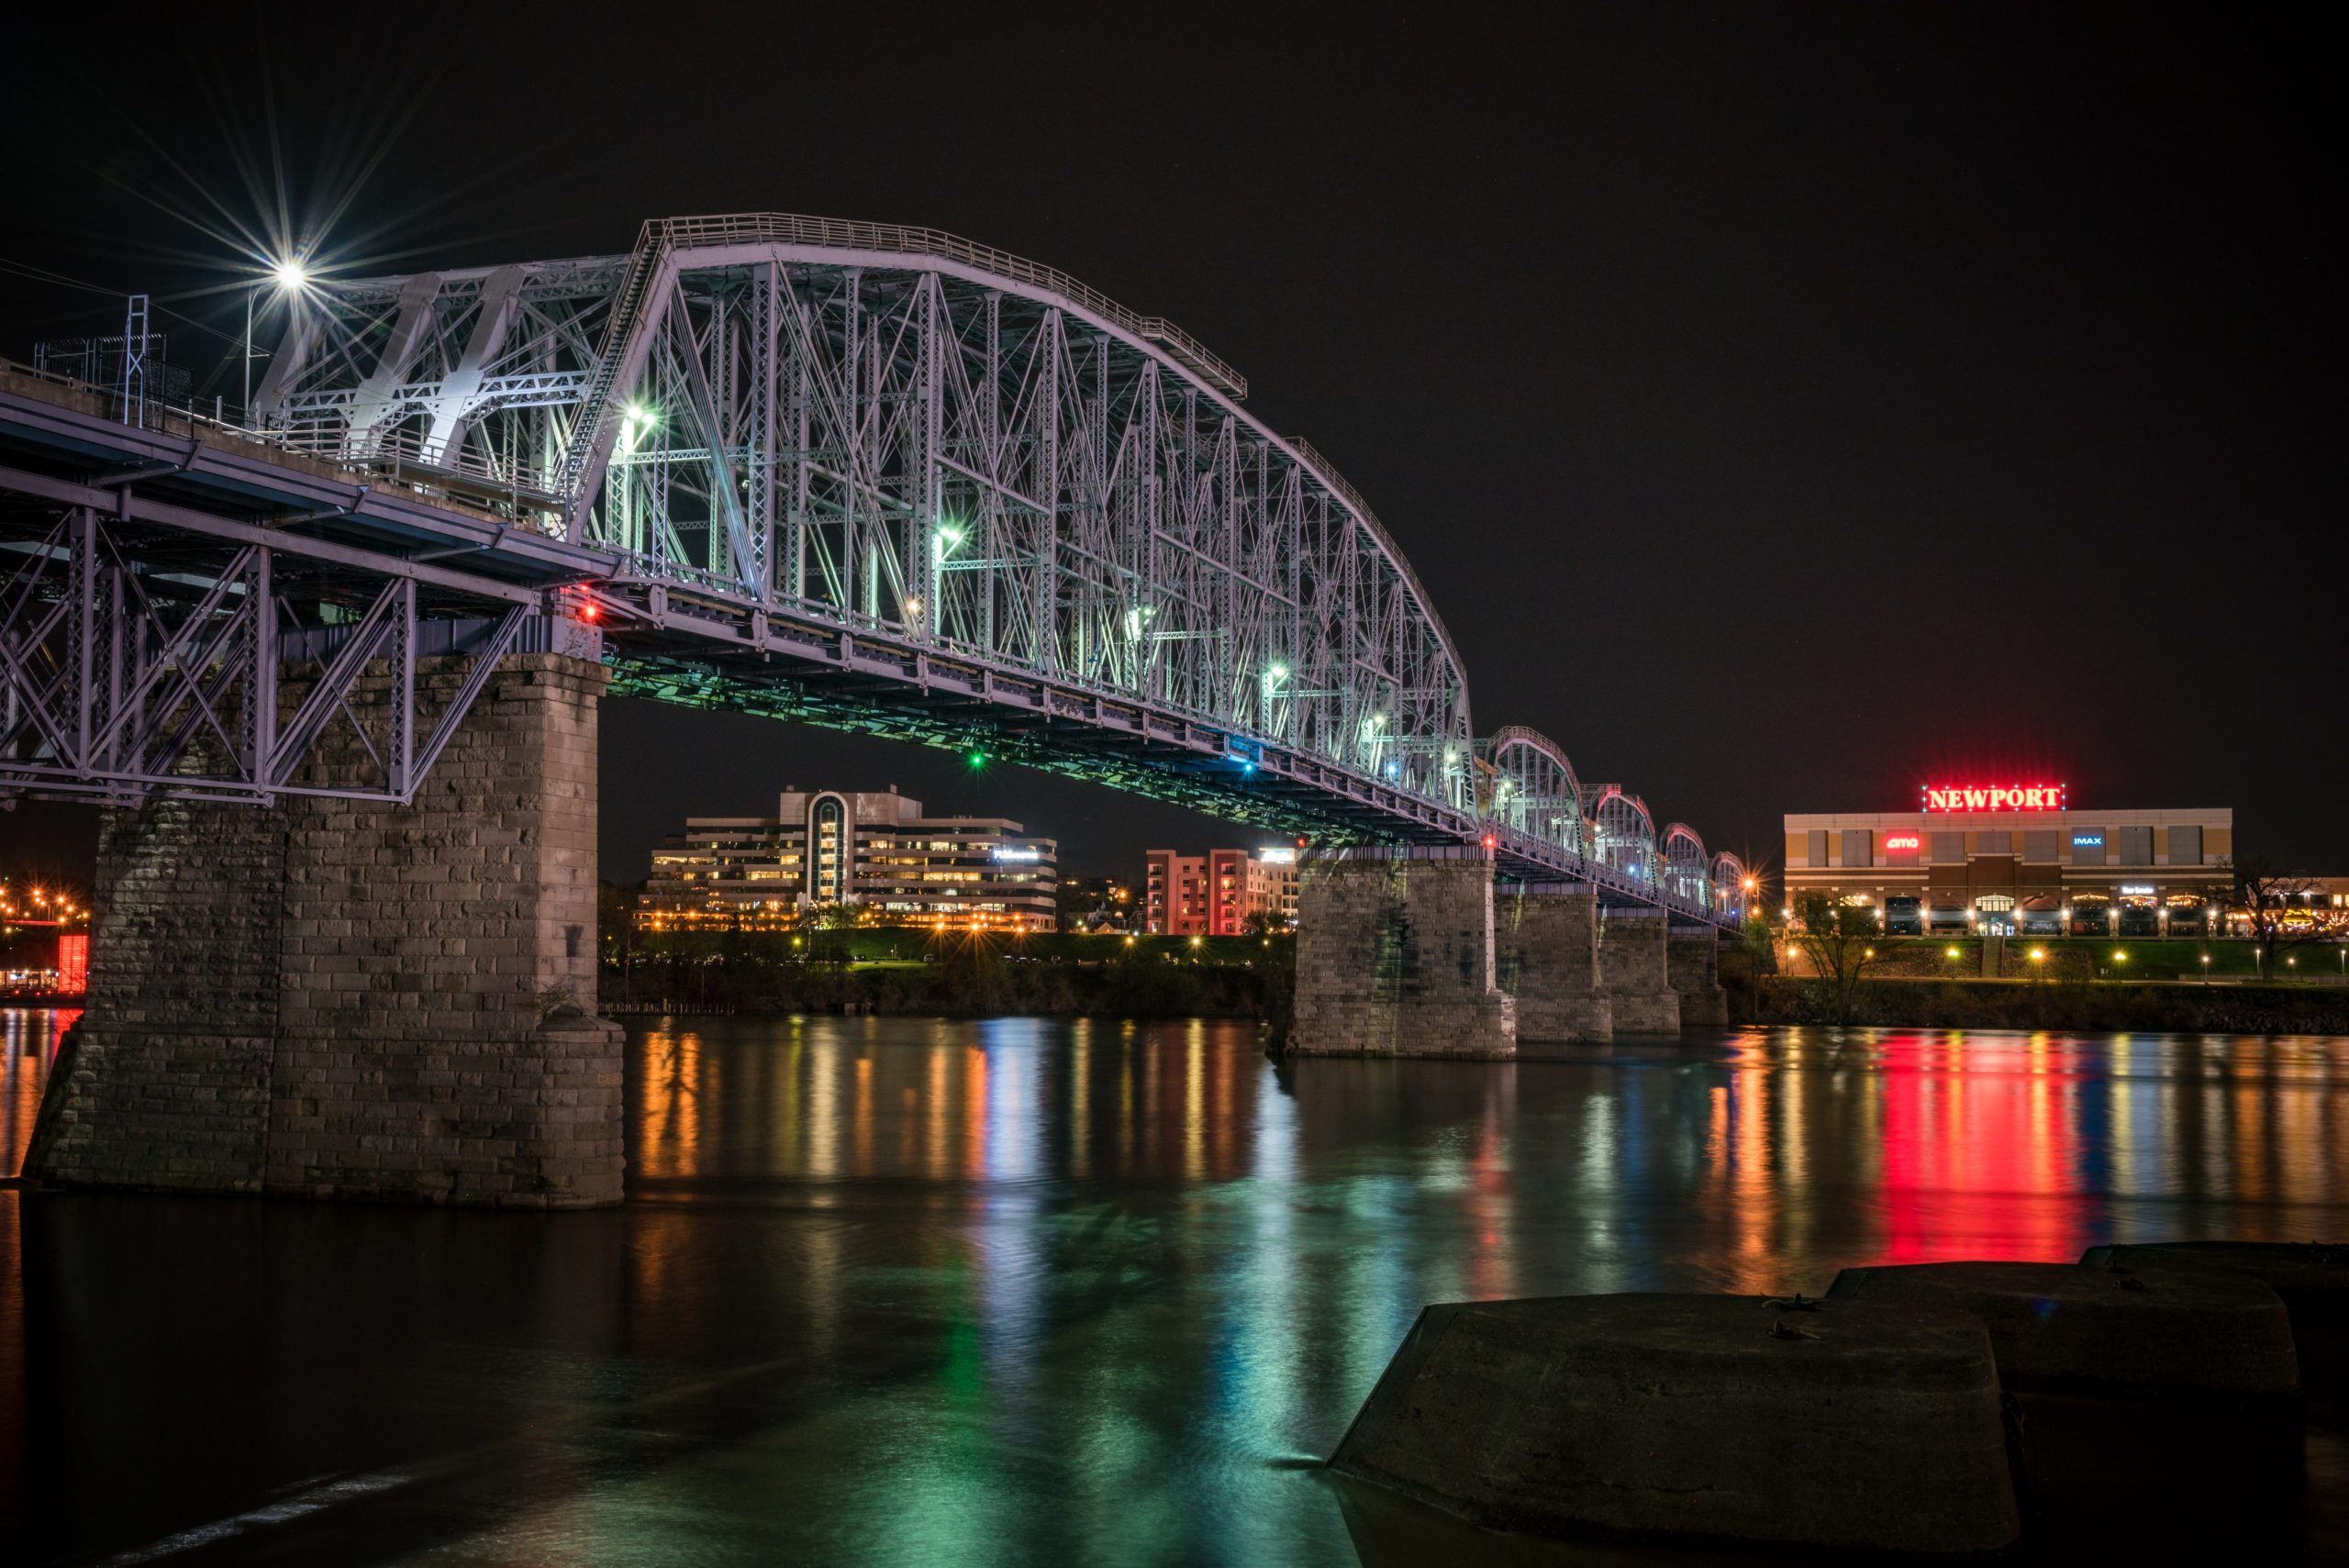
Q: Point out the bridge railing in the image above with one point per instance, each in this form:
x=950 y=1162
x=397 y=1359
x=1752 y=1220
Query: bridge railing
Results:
x=835 y=233
x=395 y=455
x=149 y=413
x=1583 y=868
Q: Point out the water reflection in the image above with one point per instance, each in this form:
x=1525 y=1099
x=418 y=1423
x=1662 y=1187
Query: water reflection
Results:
x=1013 y=1290
x=29 y=1039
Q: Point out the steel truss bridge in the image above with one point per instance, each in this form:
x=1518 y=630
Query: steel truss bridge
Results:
x=860 y=476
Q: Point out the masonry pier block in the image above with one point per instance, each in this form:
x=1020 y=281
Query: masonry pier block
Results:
x=1693 y=964
x=2312 y=1278
x=1864 y=1428
x=1546 y=937
x=2160 y=1416
x=1395 y=955
x=1634 y=965
x=326 y=998
x=2066 y=1328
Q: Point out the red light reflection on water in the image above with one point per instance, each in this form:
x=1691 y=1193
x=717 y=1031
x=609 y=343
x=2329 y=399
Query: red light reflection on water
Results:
x=1981 y=1144
x=28 y=1040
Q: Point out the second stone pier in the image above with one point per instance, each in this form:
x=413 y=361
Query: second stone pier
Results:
x=1548 y=943
x=1693 y=964
x=1635 y=966
x=1395 y=955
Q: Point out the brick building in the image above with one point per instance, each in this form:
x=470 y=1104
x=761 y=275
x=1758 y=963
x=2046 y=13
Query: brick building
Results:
x=1216 y=893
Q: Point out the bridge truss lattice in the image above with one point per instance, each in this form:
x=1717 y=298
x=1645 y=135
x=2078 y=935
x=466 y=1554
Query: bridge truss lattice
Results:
x=891 y=432
x=866 y=476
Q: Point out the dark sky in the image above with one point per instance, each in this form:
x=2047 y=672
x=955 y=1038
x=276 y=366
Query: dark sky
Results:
x=1782 y=403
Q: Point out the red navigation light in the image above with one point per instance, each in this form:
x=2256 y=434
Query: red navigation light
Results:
x=1490 y=840
x=1994 y=798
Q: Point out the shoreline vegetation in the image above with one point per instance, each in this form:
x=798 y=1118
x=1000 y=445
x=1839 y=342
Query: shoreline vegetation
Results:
x=905 y=971
x=2184 y=1007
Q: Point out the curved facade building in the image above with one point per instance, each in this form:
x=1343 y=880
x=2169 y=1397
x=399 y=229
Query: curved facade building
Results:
x=875 y=851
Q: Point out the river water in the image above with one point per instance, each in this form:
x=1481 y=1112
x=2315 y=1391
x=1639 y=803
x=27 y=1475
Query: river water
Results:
x=905 y=1291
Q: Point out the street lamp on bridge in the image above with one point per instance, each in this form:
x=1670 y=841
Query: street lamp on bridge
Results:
x=289 y=276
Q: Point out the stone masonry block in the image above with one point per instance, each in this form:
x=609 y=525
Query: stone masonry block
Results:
x=283 y=1000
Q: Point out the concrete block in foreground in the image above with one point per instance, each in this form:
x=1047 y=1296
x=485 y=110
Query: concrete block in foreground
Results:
x=2061 y=1328
x=2311 y=1276
x=1855 y=1426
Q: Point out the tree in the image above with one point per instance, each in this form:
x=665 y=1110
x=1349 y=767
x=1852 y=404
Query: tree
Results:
x=2268 y=898
x=615 y=935
x=1839 y=940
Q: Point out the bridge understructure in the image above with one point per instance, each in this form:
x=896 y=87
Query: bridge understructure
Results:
x=1419 y=952
x=859 y=475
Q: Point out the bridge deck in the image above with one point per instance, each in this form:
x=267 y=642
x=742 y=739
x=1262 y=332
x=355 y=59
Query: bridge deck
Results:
x=180 y=476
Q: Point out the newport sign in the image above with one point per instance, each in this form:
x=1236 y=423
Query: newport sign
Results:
x=1994 y=798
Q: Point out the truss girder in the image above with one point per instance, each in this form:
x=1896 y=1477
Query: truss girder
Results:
x=793 y=431
x=1531 y=788
x=138 y=666
x=1623 y=834
x=1730 y=895
x=1685 y=870
x=943 y=445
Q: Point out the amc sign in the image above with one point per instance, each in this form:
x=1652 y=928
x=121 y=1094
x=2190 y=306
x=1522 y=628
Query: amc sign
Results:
x=1994 y=798
x=1902 y=844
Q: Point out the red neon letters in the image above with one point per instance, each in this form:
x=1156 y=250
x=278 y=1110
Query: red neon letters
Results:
x=1996 y=797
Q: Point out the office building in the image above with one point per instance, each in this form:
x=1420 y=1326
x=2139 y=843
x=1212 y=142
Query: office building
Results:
x=875 y=854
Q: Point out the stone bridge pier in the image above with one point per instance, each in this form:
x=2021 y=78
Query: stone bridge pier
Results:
x=1634 y=967
x=1395 y=955
x=330 y=999
x=1693 y=964
x=1547 y=935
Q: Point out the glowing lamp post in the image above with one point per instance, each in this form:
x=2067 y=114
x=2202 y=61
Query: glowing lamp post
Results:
x=289 y=276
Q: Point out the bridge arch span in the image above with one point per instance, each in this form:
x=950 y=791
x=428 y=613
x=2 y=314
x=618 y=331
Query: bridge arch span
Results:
x=1532 y=789
x=880 y=446
x=1625 y=834
x=1731 y=896
x=1686 y=870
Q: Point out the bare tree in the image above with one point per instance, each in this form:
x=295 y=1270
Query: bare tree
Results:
x=2267 y=897
x=1840 y=942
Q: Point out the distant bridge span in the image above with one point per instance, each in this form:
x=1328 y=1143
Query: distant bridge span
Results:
x=867 y=476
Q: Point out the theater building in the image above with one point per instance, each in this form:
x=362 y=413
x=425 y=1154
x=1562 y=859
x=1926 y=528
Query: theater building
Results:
x=874 y=853
x=2017 y=860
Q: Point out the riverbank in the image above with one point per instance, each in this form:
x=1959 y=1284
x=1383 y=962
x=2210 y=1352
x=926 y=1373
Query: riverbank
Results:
x=979 y=988
x=2048 y=1005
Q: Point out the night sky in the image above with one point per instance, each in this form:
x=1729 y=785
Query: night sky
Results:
x=1782 y=404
